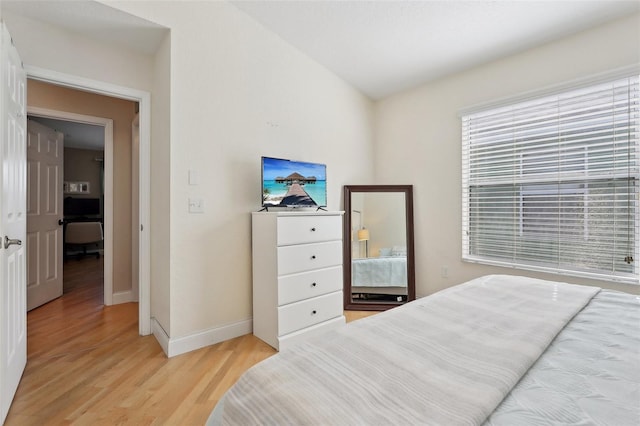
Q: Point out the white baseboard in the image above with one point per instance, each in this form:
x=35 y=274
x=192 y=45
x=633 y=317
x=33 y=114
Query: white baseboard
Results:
x=160 y=335
x=201 y=339
x=122 y=297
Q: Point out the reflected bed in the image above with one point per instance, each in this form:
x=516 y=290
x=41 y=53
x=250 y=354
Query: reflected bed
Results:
x=499 y=350
x=379 y=275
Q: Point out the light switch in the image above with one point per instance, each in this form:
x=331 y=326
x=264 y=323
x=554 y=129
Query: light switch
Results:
x=194 y=179
x=196 y=205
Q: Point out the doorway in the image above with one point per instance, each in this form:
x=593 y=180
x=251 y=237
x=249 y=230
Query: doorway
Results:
x=96 y=136
x=143 y=188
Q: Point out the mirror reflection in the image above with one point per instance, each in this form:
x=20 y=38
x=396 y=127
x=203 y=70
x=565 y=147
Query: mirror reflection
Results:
x=378 y=247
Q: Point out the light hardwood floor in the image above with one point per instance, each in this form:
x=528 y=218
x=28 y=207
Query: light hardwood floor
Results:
x=87 y=365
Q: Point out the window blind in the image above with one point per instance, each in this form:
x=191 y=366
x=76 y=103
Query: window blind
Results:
x=552 y=183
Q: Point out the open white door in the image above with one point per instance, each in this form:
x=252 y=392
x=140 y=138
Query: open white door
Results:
x=45 y=165
x=13 y=222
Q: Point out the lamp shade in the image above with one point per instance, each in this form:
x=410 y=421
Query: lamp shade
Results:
x=363 y=234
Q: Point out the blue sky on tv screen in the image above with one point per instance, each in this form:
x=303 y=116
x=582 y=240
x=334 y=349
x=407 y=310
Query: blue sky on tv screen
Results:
x=275 y=167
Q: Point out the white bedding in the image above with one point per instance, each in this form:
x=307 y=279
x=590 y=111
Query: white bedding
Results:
x=589 y=375
x=379 y=272
x=447 y=359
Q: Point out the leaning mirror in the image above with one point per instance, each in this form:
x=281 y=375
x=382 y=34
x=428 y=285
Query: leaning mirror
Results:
x=379 y=271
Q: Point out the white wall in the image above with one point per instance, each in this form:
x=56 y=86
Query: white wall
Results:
x=239 y=92
x=47 y=46
x=386 y=220
x=160 y=182
x=418 y=138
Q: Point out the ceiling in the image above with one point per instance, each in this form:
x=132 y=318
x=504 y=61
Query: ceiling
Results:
x=383 y=47
x=76 y=135
x=379 y=47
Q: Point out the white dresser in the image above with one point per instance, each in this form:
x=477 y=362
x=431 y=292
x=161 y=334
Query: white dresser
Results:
x=297 y=275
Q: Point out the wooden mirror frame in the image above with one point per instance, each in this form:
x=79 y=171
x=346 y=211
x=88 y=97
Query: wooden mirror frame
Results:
x=349 y=303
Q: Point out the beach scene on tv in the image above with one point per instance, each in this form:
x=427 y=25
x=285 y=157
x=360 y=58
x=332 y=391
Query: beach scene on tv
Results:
x=288 y=183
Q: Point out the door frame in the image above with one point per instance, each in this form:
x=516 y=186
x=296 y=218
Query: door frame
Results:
x=107 y=125
x=144 y=184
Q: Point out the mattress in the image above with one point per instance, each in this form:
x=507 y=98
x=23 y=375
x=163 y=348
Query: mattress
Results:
x=499 y=349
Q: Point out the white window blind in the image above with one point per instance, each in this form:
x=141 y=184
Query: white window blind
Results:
x=552 y=184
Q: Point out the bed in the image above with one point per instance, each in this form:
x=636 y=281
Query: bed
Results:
x=497 y=350
x=379 y=275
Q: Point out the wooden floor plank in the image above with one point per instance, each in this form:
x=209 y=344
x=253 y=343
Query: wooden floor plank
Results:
x=87 y=365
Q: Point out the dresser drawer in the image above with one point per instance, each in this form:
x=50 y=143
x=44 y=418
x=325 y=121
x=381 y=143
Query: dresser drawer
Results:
x=306 y=313
x=307 y=257
x=308 y=229
x=296 y=287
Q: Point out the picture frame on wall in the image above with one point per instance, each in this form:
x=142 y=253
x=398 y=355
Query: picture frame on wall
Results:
x=76 y=187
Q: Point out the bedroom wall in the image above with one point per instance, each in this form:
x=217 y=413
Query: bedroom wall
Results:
x=386 y=221
x=48 y=46
x=418 y=139
x=238 y=92
x=161 y=180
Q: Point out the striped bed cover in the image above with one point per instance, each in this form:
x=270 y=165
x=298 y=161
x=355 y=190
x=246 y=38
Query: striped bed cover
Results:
x=447 y=359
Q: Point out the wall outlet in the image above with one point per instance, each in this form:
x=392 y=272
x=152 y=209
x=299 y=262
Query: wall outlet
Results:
x=196 y=205
x=444 y=272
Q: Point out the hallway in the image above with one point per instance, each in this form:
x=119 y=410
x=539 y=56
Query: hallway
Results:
x=78 y=321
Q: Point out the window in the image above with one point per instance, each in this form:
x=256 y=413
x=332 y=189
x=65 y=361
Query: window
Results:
x=551 y=184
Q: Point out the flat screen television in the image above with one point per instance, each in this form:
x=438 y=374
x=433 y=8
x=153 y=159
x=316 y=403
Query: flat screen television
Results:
x=289 y=183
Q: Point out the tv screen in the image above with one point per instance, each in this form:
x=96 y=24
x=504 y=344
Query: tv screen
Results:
x=288 y=183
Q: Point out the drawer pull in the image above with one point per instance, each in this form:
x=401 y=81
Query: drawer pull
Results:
x=313 y=256
x=313 y=284
x=313 y=229
x=314 y=312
